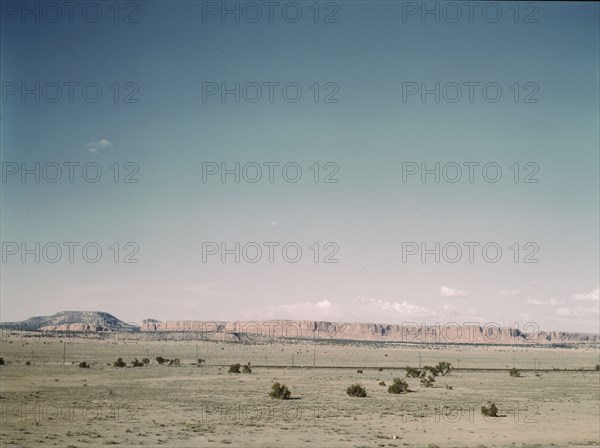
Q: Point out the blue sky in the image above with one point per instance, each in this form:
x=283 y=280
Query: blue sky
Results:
x=169 y=132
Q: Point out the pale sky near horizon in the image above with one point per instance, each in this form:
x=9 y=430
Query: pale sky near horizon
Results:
x=360 y=122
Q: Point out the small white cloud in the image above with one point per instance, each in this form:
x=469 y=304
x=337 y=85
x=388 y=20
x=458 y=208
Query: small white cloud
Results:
x=563 y=312
x=449 y=292
x=99 y=145
x=543 y=302
x=403 y=308
x=273 y=223
x=510 y=292
x=593 y=296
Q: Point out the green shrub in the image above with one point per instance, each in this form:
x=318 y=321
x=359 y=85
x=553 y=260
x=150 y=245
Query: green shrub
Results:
x=597 y=365
x=200 y=361
x=279 y=391
x=432 y=370
x=84 y=365
x=427 y=377
x=359 y=371
x=247 y=368
x=398 y=387
x=174 y=362
x=235 y=368
x=382 y=383
x=412 y=372
x=146 y=361
x=514 y=372
x=489 y=410
x=2 y=362
x=356 y=390
x=444 y=368
x=119 y=363
x=160 y=360
x=136 y=363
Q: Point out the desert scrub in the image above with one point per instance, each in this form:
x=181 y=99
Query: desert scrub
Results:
x=398 y=387
x=412 y=372
x=235 y=368
x=136 y=363
x=280 y=392
x=356 y=390
x=84 y=365
x=489 y=410
x=146 y=361
x=2 y=362
x=382 y=383
x=247 y=368
x=444 y=368
x=514 y=372
x=119 y=363
x=160 y=360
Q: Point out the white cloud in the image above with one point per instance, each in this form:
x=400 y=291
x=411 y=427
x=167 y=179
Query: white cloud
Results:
x=577 y=312
x=510 y=292
x=543 y=302
x=593 y=296
x=403 y=308
x=322 y=310
x=273 y=223
x=449 y=292
x=99 y=145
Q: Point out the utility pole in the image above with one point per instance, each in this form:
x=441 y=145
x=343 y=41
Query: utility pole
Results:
x=64 y=352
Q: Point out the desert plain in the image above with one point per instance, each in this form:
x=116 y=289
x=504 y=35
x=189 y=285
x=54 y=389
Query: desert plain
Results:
x=47 y=400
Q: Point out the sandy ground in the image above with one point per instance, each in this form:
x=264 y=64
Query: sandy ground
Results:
x=47 y=403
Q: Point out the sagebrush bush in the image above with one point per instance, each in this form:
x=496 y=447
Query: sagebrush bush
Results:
x=247 y=368
x=84 y=365
x=359 y=371
x=200 y=361
x=444 y=368
x=235 y=368
x=2 y=362
x=412 y=372
x=119 y=363
x=489 y=410
x=382 y=383
x=427 y=380
x=356 y=390
x=280 y=392
x=136 y=363
x=398 y=387
x=160 y=360
x=174 y=362
x=514 y=372
x=146 y=361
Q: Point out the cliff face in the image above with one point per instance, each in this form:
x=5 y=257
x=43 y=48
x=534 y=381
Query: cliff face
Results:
x=95 y=321
x=416 y=333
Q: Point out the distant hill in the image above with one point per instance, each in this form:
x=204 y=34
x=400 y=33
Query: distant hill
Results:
x=92 y=321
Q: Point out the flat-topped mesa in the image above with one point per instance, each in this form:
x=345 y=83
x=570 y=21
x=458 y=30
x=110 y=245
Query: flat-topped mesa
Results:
x=408 y=332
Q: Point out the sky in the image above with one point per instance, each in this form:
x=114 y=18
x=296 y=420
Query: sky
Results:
x=359 y=116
